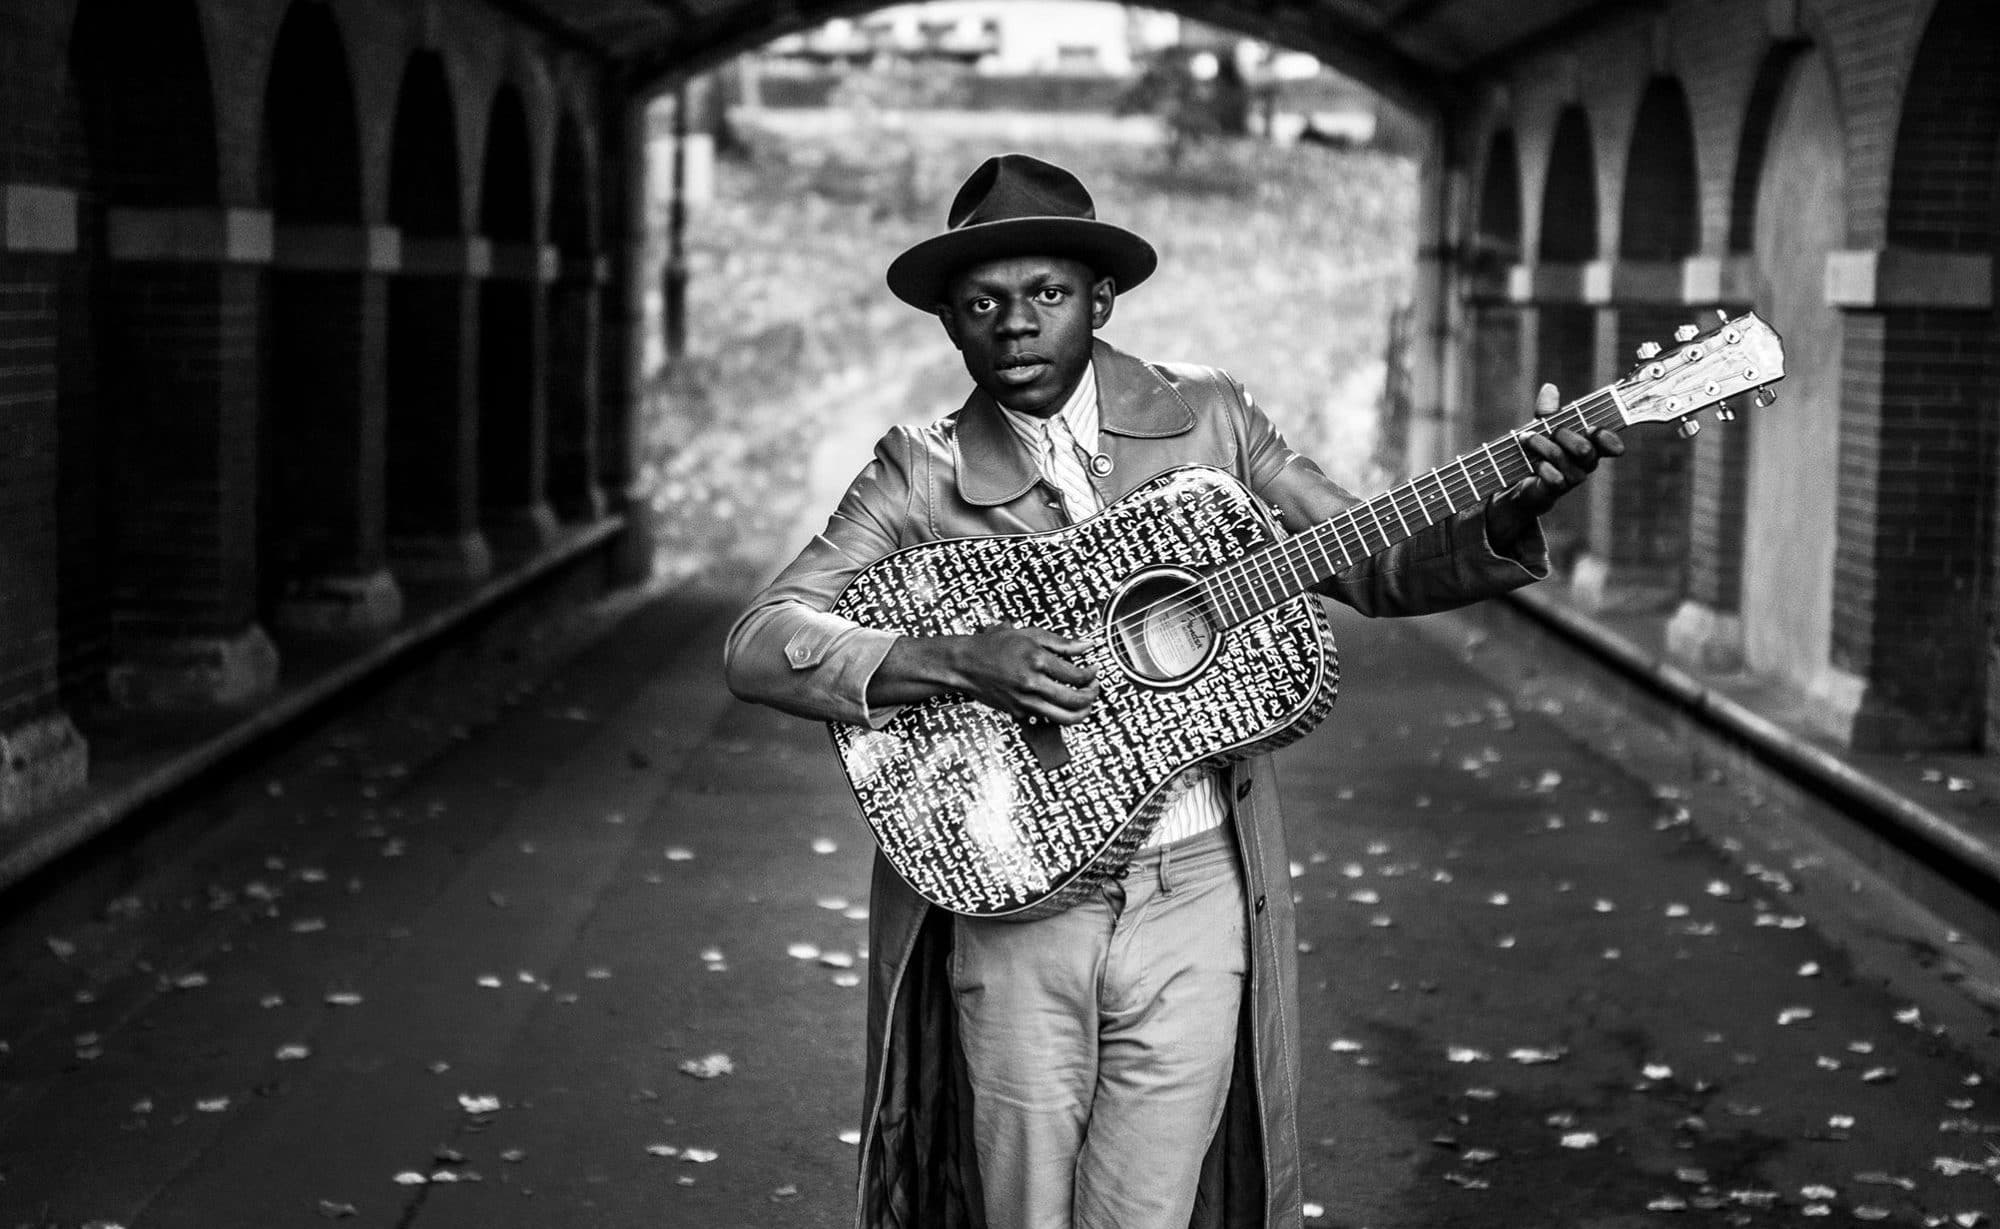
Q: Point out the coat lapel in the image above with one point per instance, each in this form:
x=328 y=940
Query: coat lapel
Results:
x=1132 y=402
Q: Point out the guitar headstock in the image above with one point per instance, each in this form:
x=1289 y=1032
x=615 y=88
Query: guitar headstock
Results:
x=1743 y=355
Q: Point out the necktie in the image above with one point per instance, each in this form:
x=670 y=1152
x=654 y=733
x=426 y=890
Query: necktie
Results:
x=1063 y=464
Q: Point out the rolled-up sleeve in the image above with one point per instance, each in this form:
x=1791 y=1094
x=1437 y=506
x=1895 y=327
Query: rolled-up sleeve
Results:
x=786 y=650
x=1444 y=565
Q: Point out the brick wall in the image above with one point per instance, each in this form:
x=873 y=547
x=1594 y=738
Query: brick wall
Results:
x=179 y=415
x=1918 y=105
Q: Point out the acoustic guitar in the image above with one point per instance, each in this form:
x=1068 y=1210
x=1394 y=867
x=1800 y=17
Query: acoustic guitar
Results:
x=1207 y=646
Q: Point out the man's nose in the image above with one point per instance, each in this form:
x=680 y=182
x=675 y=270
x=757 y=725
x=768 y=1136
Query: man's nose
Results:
x=1017 y=318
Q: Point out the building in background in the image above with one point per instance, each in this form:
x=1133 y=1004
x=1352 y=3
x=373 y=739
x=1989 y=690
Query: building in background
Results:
x=991 y=37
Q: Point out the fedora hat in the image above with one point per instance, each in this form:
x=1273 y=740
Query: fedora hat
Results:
x=1015 y=205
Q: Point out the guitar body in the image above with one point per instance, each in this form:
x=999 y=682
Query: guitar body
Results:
x=987 y=816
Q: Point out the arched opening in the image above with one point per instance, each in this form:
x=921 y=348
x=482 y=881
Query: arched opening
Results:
x=431 y=486
x=1645 y=528
x=573 y=333
x=1565 y=332
x=318 y=519
x=1497 y=391
x=511 y=406
x=1926 y=647
x=141 y=127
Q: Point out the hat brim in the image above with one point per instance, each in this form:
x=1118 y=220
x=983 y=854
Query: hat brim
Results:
x=919 y=276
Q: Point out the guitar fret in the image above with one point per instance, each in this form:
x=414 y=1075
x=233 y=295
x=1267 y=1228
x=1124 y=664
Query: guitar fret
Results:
x=1438 y=478
x=1326 y=560
x=1241 y=598
x=1397 y=509
x=1527 y=458
x=1377 y=518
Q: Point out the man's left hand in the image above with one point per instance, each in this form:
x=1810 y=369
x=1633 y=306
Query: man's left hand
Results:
x=1561 y=460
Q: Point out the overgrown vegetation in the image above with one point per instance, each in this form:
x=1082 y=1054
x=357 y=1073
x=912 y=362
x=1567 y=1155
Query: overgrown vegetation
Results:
x=1282 y=264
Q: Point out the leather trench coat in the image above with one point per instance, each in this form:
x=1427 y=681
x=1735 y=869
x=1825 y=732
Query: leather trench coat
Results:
x=967 y=475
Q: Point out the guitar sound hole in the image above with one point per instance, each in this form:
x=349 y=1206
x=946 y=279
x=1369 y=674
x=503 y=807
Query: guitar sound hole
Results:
x=1160 y=630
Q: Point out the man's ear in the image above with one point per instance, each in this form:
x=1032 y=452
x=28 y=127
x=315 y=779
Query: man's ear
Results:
x=944 y=316
x=1103 y=294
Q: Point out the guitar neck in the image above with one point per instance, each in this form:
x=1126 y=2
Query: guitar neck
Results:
x=1277 y=573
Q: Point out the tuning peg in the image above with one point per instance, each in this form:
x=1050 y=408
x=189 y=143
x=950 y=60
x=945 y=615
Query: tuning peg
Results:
x=1721 y=316
x=1648 y=351
x=1689 y=428
x=1764 y=396
x=1724 y=412
x=1686 y=332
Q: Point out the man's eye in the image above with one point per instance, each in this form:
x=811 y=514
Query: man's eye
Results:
x=1050 y=294
x=980 y=306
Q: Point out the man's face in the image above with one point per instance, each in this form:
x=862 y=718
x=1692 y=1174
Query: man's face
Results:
x=1024 y=324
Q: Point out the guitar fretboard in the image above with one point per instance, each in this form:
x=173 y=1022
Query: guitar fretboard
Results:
x=1282 y=571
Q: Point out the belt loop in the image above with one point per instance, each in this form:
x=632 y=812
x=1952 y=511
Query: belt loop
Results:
x=1166 y=870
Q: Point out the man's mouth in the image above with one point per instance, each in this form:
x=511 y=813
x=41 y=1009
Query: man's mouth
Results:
x=1019 y=368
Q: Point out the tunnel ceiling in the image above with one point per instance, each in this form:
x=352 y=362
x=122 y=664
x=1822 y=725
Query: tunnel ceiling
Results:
x=1413 y=49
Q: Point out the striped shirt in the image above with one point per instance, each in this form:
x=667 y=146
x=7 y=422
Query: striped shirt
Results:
x=1195 y=803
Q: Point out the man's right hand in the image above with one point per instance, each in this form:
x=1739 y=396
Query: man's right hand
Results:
x=1025 y=671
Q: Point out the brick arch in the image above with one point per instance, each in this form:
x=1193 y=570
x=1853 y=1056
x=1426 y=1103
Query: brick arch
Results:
x=1641 y=518
x=310 y=169
x=432 y=518
x=1941 y=185
x=512 y=323
x=527 y=74
x=1754 y=145
x=1921 y=637
x=507 y=170
x=1659 y=215
x=1569 y=215
x=425 y=171
x=146 y=102
x=140 y=131
x=319 y=527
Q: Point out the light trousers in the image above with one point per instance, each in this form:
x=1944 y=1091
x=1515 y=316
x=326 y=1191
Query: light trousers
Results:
x=1099 y=1042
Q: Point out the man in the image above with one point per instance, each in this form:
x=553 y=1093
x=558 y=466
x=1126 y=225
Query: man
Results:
x=1132 y=1061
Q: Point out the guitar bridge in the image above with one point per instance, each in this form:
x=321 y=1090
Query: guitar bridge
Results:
x=1046 y=741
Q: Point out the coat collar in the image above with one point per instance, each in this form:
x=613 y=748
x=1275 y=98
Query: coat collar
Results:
x=1132 y=400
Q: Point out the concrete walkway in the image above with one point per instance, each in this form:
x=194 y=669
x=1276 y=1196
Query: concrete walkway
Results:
x=556 y=933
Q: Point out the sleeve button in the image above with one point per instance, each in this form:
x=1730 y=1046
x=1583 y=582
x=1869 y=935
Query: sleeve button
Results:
x=1260 y=904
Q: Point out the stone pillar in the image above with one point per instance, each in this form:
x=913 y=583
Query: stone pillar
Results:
x=42 y=756
x=180 y=323
x=433 y=430
x=325 y=427
x=623 y=372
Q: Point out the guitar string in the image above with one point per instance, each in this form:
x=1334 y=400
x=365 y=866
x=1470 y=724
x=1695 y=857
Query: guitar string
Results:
x=1240 y=573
